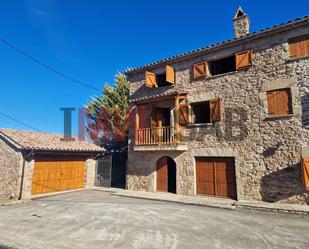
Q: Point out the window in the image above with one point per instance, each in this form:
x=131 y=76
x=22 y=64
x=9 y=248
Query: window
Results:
x=160 y=80
x=221 y=66
x=201 y=112
x=207 y=112
x=238 y=61
x=279 y=102
x=299 y=47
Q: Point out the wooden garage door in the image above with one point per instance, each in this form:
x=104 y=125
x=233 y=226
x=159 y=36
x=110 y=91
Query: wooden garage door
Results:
x=216 y=177
x=57 y=174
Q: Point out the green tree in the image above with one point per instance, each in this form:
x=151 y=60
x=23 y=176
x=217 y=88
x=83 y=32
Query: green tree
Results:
x=108 y=116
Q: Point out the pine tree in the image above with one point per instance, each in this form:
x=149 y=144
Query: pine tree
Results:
x=108 y=116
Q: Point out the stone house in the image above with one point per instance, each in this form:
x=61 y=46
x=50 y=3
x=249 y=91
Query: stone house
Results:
x=227 y=120
x=34 y=163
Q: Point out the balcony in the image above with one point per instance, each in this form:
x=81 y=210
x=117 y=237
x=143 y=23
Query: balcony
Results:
x=160 y=138
x=158 y=126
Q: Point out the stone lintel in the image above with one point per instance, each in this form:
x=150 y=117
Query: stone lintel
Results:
x=215 y=152
x=200 y=97
x=278 y=84
x=161 y=147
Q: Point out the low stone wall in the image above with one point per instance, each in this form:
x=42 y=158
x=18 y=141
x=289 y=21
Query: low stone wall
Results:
x=10 y=171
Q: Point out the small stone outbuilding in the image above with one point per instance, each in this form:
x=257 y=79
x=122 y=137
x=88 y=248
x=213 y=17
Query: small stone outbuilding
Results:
x=34 y=163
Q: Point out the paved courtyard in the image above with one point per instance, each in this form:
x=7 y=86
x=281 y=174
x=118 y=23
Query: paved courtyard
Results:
x=96 y=219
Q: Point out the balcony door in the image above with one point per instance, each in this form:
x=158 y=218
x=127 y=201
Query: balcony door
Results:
x=160 y=117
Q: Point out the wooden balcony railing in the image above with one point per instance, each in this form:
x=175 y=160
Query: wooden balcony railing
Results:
x=159 y=135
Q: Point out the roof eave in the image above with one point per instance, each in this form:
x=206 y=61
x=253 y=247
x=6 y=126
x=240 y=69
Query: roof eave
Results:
x=194 y=53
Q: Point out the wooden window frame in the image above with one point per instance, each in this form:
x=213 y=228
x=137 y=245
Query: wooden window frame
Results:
x=206 y=72
x=298 y=40
x=290 y=103
x=249 y=52
x=214 y=105
x=170 y=74
x=150 y=79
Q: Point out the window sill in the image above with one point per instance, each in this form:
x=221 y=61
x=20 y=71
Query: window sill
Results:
x=221 y=75
x=199 y=125
x=275 y=117
x=291 y=59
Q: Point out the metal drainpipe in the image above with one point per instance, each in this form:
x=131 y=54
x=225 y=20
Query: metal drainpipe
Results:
x=23 y=174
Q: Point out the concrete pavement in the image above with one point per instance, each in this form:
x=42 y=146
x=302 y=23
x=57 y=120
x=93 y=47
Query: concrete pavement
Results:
x=96 y=219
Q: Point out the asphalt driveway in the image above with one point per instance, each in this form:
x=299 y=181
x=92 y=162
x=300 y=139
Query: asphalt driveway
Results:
x=96 y=219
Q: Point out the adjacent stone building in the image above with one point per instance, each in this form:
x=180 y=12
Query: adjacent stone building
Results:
x=34 y=163
x=227 y=120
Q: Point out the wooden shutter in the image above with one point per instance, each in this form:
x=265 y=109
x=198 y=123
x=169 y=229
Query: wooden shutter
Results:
x=215 y=110
x=150 y=79
x=170 y=74
x=243 y=59
x=306 y=173
x=279 y=102
x=183 y=114
x=299 y=47
x=143 y=112
x=200 y=70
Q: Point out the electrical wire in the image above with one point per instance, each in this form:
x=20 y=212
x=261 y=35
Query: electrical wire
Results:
x=47 y=66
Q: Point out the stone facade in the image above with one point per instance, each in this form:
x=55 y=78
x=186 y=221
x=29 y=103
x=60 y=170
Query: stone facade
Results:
x=10 y=168
x=90 y=173
x=27 y=180
x=267 y=151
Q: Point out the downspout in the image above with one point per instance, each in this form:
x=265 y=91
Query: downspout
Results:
x=23 y=173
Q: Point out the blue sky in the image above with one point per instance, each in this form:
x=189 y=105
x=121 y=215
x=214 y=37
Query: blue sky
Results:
x=93 y=40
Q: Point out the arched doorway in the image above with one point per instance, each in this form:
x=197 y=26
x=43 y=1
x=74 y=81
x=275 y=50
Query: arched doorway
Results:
x=166 y=175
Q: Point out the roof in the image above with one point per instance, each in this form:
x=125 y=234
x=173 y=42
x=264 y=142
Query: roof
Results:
x=145 y=93
x=41 y=141
x=256 y=34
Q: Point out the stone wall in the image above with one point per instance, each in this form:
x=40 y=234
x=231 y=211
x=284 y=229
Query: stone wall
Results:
x=90 y=173
x=10 y=168
x=241 y=26
x=267 y=151
x=28 y=174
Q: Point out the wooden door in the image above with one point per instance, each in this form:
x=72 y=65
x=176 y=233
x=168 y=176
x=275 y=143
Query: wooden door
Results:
x=205 y=176
x=162 y=175
x=53 y=175
x=216 y=177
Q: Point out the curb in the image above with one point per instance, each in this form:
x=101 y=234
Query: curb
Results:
x=228 y=207
x=39 y=196
x=263 y=207
x=271 y=209
x=11 y=203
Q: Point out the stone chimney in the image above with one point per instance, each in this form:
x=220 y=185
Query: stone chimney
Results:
x=241 y=23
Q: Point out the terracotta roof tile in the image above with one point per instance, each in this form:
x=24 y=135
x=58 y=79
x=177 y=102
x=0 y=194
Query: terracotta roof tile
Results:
x=178 y=57
x=46 y=141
